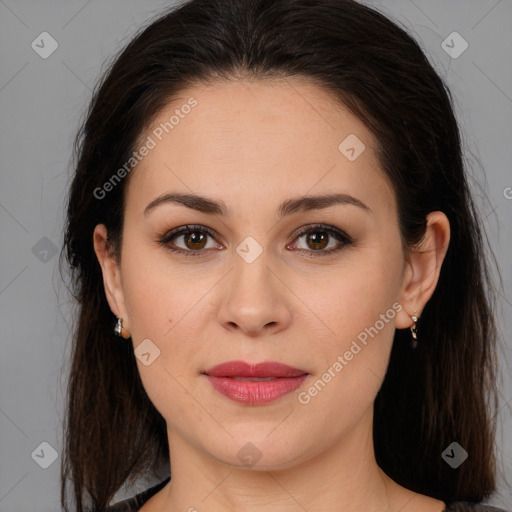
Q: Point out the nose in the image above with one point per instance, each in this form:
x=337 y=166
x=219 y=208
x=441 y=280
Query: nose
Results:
x=254 y=299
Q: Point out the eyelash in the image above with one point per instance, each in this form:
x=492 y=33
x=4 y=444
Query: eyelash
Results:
x=323 y=228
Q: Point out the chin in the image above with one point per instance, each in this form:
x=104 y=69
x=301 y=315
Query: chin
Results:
x=259 y=452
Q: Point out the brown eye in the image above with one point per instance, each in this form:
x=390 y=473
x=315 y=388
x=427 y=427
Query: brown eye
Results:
x=318 y=237
x=195 y=240
x=194 y=243
x=317 y=240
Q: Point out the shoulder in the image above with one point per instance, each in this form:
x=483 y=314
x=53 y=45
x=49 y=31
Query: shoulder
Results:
x=466 y=506
x=135 y=503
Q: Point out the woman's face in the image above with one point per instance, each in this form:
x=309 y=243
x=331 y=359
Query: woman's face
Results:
x=326 y=302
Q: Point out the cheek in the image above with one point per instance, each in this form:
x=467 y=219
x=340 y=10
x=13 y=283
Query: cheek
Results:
x=165 y=304
x=157 y=294
x=355 y=321
x=160 y=303
x=348 y=299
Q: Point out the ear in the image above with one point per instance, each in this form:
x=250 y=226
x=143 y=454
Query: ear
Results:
x=111 y=274
x=423 y=268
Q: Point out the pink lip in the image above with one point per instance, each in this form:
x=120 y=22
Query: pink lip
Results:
x=222 y=378
x=243 y=369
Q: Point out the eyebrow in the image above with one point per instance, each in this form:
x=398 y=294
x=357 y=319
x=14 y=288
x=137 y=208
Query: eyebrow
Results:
x=287 y=207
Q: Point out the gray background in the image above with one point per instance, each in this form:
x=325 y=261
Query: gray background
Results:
x=41 y=103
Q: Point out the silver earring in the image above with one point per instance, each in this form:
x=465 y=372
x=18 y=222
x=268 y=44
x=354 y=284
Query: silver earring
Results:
x=414 y=332
x=118 y=329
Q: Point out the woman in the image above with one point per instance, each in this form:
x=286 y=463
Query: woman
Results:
x=271 y=213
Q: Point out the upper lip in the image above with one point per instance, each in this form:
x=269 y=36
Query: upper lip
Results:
x=263 y=369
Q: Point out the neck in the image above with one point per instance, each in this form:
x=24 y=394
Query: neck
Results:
x=342 y=472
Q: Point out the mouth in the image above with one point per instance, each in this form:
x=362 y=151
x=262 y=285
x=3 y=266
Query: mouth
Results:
x=255 y=379
x=254 y=384
x=242 y=370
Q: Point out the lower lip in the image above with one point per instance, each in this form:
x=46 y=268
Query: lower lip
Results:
x=255 y=392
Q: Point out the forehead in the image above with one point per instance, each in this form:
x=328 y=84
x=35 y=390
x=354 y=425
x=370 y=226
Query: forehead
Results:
x=257 y=141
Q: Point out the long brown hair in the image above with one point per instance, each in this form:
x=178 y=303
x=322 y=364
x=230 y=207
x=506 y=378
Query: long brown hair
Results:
x=445 y=390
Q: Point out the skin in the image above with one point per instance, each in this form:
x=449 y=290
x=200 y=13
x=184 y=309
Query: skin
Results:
x=253 y=145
